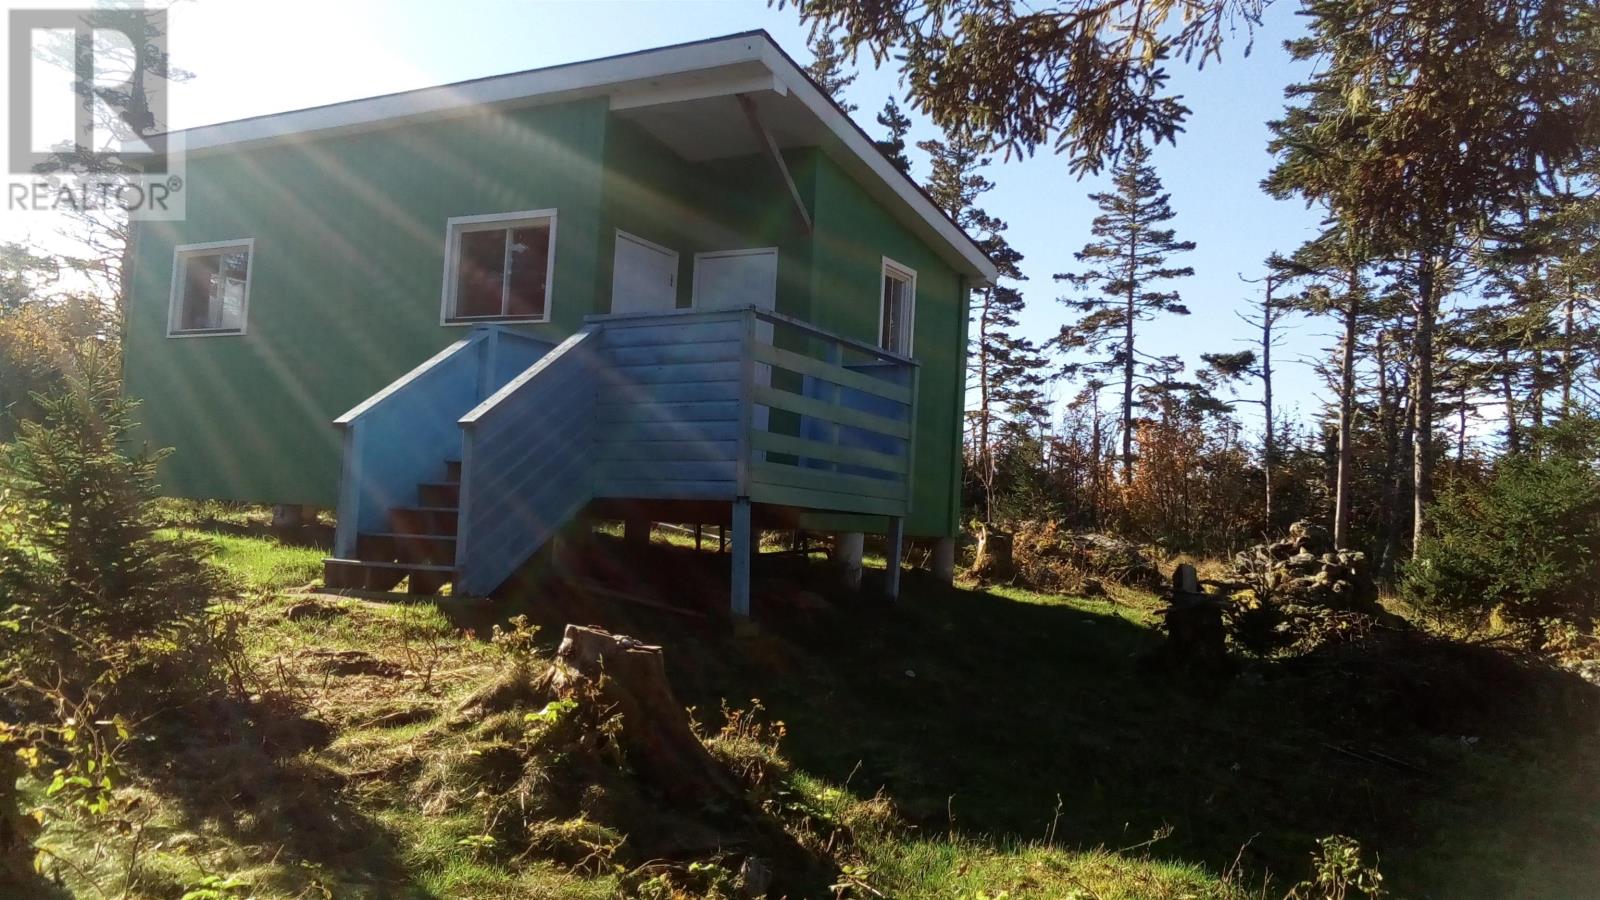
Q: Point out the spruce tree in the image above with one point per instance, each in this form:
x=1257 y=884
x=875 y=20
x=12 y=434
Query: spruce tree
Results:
x=830 y=69
x=899 y=125
x=1006 y=369
x=1128 y=259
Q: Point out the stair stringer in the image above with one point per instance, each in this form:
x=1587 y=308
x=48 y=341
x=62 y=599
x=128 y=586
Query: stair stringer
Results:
x=527 y=462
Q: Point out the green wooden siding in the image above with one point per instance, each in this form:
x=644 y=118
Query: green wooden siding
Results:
x=348 y=265
x=345 y=297
x=853 y=234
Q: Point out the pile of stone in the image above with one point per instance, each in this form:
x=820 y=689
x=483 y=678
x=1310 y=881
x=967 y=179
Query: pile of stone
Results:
x=1305 y=569
x=1299 y=593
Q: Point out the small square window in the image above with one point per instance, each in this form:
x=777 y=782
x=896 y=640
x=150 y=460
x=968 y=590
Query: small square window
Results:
x=498 y=267
x=898 y=308
x=210 y=288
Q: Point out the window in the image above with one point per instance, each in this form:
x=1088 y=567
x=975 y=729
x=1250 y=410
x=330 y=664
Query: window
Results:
x=210 y=288
x=898 y=307
x=498 y=267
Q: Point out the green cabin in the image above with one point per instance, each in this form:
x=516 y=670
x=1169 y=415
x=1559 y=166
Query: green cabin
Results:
x=676 y=285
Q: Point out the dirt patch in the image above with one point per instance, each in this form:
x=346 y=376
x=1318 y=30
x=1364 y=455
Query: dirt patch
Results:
x=348 y=662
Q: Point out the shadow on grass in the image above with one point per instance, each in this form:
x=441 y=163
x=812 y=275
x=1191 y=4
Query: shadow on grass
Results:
x=1469 y=774
x=240 y=770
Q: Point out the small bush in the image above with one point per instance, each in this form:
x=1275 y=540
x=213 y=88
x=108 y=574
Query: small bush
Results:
x=1524 y=543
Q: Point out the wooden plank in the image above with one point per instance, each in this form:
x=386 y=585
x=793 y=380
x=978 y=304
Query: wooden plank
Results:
x=671 y=392
x=819 y=480
x=647 y=489
x=873 y=350
x=809 y=449
x=807 y=406
x=672 y=333
x=628 y=432
x=665 y=451
x=612 y=471
x=825 y=501
x=805 y=365
x=712 y=411
x=676 y=352
x=743 y=547
x=894 y=542
x=675 y=372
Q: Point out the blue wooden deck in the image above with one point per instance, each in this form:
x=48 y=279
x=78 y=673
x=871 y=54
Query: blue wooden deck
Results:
x=744 y=406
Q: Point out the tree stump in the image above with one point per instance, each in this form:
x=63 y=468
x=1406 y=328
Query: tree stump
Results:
x=993 y=561
x=631 y=678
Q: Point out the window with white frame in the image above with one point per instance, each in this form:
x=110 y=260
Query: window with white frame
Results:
x=498 y=267
x=210 y=288
x=898 y=308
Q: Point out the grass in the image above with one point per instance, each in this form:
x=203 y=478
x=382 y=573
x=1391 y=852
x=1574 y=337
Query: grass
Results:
x=972 y=744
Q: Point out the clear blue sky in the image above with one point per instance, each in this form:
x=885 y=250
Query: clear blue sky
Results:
x=260 y=56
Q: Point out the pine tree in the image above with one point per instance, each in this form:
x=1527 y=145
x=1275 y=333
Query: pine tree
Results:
x=899 y=125
x=830 y=69
x=1127 y=260
x=1006 y=368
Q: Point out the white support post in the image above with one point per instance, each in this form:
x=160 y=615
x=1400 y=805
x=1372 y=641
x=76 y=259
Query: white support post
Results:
x=891 y=575
x=944 y=560
x=742 y=550
x=847 y=549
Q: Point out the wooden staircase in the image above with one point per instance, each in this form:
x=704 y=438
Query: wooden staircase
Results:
x=419 y=547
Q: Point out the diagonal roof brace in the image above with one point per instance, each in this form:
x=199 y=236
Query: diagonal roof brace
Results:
x=764 y=137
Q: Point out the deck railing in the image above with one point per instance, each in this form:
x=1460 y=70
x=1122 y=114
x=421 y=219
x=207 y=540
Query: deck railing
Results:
x=751 y=403
x=832 y=419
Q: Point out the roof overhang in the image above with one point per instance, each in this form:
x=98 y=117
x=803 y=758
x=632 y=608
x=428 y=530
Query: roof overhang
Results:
x=686 y=95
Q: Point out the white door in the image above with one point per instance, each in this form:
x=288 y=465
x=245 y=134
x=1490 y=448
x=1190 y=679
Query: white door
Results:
x=732 y=278
x=644 y=276
x=735 y=278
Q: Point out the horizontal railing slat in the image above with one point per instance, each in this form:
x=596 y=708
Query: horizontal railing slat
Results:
x=827 y=501
x=819 y=480
x=834 y=453
x=805 y=365
x=819 y=409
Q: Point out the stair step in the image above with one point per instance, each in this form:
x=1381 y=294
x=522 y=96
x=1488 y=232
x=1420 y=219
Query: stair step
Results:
x=388 y=546
x=439 y=521
x=452 y=470
x=439 y=493
x=366 y=575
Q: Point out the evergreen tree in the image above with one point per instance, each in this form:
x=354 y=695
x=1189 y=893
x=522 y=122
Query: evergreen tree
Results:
x=830 y=68
x=1127 y=259
x=1006 y=368
x=1424 y=126
x=899 y=125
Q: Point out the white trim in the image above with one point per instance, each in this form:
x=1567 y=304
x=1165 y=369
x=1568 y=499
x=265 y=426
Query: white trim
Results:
x=627 y=78
x=181 y=253
x=723 y=87
x=909 y=275
x=694 y=287
x=455 y=226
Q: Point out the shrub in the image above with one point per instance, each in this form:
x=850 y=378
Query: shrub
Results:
x=93 y=593
x=1524 y=543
